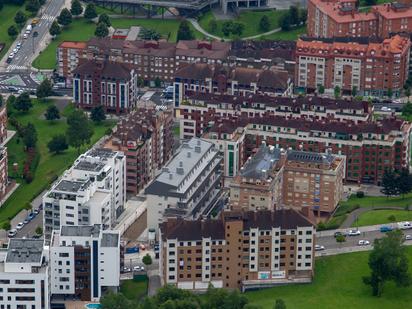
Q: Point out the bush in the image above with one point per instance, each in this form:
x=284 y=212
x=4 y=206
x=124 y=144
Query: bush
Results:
x=360 y=194
x=30 y=165
x=392 y=218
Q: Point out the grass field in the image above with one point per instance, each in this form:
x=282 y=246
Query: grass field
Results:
x=6 y=20
x=291 y=35
x=50 y=166
x=337 y=285
x=134 y=289
x=83 y=30
x=250 y=19
x=382 y=216
x=371 y=201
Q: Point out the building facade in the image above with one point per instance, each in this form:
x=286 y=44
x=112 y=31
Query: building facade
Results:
x=24 y=275
x=242 y=250
x=68 y=55
x=188 y=185
x=145 y=136
x=109 y=84
x=84 y=262
x=371 y=69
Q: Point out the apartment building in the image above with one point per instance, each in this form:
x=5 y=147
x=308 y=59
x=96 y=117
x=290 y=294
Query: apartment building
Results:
x=244 y=250
x=68 y=55
x=145 y=136
x=372 y=68
x=218 y=79
x=259 y=182
x=109 y=84
x=188 y=185
x=201 y=110
x=24 y=275
x=313 y=181
x=151 y=60
x=342 y=18
x=84 y=262
x=91 y=192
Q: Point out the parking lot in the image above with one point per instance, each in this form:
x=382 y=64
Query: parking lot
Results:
x=28 y=229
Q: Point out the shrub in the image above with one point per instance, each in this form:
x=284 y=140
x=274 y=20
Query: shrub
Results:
x=360 y=194
x=392 y=218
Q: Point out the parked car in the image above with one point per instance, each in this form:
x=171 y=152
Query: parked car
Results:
x=354 y=233
x=126 y=269
x=404 y=225
x=36 y=211
x=19 y=226
x=31 y=216
x=319 y=248
x=137 y=268
x=408 y=237
x=26 y=221
x=337 y=234
x=12 y=233
x=363 y=242
x=386 y=228
x=36 y=236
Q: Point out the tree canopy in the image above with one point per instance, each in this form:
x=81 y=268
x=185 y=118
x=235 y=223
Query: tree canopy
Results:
x=101 y=30
x=90 y=12
x=23 y=102
x=79 y=131
x=76 y=8
x=184 y=32
x=65 y=17
x=45 y=89
x=264 y=23
x=97 y=114
x=52 y=113
x=57 y=144
x=104 y=18
x=55 y=29
x=30 y=135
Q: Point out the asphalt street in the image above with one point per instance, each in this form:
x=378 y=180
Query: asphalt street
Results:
x=23 y=58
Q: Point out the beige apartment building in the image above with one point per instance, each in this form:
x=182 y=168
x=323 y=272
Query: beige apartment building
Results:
x=242 y=250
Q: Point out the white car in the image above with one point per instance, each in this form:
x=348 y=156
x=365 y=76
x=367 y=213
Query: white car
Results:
x=15 y=50
x=319 y=248
x=137 y=268
x=126 y=269
x=12 y=233
x=19 y=226
x=408 y=237
x=18 y=44
x=11 y=55
x=25 y=36
x=354 y=233
x=363 y=242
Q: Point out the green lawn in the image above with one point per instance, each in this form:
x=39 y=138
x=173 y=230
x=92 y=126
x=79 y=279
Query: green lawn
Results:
x=370 y=201
x=337 y=285
x=134 y=289
x=250 y=19
x=83 y=30
x=50 y=166
x=6 y=20
x=382 y=216
x=291 y=35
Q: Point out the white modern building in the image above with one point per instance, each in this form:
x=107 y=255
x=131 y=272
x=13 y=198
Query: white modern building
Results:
x=188 y=186
x=24 y=275
x=91 y=192
x=84 y=262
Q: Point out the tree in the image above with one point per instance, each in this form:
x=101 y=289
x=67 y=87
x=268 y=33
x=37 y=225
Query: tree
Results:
x=336 y=92
x=303 y=16
x=212 y=26
x=294 y=15
x=57 y=144
x=33 y=6
x=101 y=30
x=389 y=183
x=264 y=23
x=55 y=29
x=45 y=89
x=407 y=110
x=279 y=304
x=237 y=28
x=404 y=182
x=184 y=32
x=65 y=17
x=6 y=226
x=52 y=113
x=285 y=22
x=340 y=238
x=115 y=301
x=104 y=18
x=79 y=129
x=147 y=259
x=388 y=262
x=12 y=31
x=39 y=230
x=408 y=92
x=30 y=136
x=389 y=93
x=23 y=102
x=90 y=12
x=321 y=89
x=97 y=114
x=370 y=2
x=158 y=82
x=354 y=91
x=149 y=34
x=76 y=8
x=227 y=27
x=20 y=18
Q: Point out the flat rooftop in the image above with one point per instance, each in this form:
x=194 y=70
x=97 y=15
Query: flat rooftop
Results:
x=110 y=240
x=103 y=153
x=85 y=165
x=25 y=251
x=80 y=230
x=261 y=163
x=310 y=157
x=69 y=185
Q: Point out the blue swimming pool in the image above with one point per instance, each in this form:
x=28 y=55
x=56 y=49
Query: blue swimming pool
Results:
x=93 y=306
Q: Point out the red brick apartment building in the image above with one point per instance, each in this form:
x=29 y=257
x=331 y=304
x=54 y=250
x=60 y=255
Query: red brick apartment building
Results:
x=242 y=250
x=149 y=59
x=146 y=138
x=341 y=18
x=371 y=67
x=112 y=85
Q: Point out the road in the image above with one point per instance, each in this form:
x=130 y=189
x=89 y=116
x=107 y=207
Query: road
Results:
x=22 y=61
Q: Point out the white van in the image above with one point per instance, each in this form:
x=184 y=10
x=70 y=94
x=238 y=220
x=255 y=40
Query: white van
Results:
x=404 y=225
x=29 y=28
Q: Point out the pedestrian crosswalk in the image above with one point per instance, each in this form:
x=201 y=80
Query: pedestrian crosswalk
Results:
x=14 y=67
x=47 y=17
